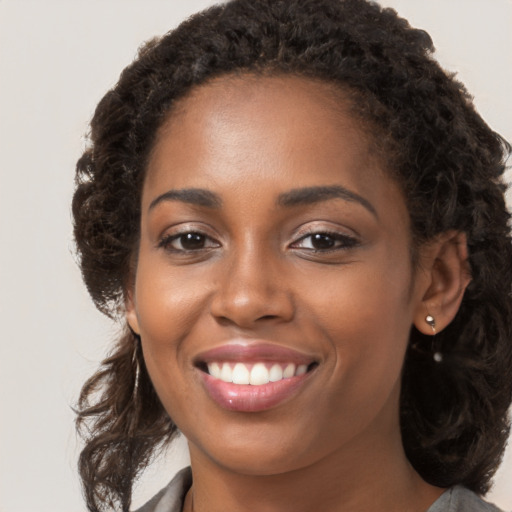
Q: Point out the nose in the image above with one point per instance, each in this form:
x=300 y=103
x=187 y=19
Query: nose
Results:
x=253 y=290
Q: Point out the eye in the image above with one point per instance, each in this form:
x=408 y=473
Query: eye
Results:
x=325 y=241
x=189 y=241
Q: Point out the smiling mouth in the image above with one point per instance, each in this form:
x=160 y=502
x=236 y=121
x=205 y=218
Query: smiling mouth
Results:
x=255 y=374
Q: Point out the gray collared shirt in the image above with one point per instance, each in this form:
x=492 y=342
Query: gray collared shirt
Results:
x=456 y=499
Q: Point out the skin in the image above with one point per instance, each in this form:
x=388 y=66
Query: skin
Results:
x=334 y=445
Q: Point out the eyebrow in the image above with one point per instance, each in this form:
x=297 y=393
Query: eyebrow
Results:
x=295 y=197
x=197 y=196
x=310 y=195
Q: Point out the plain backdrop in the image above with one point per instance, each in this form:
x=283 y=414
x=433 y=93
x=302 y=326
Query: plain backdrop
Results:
x=57 y=59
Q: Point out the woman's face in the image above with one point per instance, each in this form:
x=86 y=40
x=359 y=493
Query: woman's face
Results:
x=275 y=253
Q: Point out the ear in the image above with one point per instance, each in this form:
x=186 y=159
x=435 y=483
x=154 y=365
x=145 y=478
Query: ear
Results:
x=131 y=312
x=447 y=275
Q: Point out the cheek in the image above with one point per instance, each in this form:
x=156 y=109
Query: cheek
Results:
x=168 y=301
x=366 y=313
x=168 y=309
x=364 y=296
x=166 y=314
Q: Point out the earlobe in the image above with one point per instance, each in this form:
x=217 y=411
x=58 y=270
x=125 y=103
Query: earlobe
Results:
x=131 y=313
x=448 y=275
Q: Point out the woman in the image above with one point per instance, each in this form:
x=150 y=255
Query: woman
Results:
x=301 y=219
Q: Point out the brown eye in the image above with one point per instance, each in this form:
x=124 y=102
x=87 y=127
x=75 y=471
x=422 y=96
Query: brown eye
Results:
x=191 y=241
x=321 y=241
x=188 y=242
x=324 y=242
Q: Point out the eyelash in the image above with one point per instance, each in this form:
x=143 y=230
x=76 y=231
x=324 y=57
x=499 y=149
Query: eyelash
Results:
x=339 y=241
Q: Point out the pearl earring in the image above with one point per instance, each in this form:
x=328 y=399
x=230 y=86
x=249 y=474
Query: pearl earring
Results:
x=436 y=354
x=432 y=322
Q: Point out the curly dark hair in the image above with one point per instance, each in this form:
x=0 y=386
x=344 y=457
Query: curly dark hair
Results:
x=450 y=166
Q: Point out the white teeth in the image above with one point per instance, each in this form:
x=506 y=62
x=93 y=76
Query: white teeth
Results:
x=226 y=373
x=214 y=370
x=240 y=374
x=259 y=375
x=289 y=371
x=301 y=369
x=276 y=373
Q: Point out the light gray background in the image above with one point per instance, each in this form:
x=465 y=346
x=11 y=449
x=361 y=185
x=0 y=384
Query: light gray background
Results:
x=57 y=58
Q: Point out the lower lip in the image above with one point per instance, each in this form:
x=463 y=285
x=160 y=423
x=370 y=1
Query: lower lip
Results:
x=247 y=398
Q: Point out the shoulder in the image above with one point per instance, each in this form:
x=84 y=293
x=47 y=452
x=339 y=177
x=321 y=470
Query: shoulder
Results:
x=456 y=499
x=460 y=499
x=170 y=498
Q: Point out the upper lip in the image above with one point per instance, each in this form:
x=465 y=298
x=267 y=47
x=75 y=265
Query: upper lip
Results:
x=253 y=351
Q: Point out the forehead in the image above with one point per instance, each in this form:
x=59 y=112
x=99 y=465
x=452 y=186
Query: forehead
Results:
x=253 y=138
x=291 y=96
x=236 y=119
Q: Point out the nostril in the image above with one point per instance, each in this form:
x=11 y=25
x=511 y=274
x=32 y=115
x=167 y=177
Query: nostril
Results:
x=225 y=320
